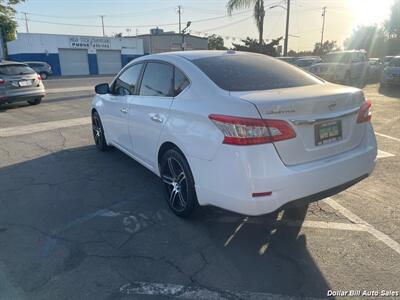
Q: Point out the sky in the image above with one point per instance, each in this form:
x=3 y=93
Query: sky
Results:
x=82 y=17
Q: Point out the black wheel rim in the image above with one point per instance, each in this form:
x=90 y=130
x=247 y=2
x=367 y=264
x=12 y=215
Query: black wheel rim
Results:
x=176 y=184
x=97 y=132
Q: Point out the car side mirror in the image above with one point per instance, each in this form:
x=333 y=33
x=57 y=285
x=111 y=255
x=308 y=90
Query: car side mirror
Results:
x=102 y=89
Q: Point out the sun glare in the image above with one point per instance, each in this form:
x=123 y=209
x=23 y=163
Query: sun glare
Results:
x=369 y=12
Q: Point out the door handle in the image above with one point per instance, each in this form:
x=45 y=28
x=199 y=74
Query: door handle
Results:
x=157 y=118
x=124 y=110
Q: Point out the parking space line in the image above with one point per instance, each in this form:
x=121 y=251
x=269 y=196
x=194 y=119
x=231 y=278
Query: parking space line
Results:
x=306 y=223
x=194 y=292
x=387 y=136
x=45 y=126
x=368 y=227
x=383 y=154
x=70 y=89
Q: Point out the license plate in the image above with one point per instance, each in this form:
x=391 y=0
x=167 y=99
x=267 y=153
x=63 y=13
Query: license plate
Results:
x=328 y=132
x=25 y=83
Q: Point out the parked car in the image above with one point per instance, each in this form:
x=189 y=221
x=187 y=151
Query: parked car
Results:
x=18 y=82
x=288 y=59
x=386 y=60
x=241 y=131
x=346 y=67
x=375 y=68
x=306 y=63
x=391 y=73
x=42 y=68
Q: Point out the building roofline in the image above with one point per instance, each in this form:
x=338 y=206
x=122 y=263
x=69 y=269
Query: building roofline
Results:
x=169 y=34
x=79 y=35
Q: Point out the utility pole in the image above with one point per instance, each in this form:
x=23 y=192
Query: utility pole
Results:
x=323 y=24
x=2 y=44
x=102 y=25
x=26 y=22
x=179 y=13
x=285 y=49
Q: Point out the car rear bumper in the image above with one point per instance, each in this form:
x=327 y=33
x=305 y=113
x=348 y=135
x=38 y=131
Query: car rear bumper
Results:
x=21 y=98
x=230 y=179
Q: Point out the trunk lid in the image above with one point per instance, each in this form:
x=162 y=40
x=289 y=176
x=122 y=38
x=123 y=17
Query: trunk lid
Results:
x=312 y=111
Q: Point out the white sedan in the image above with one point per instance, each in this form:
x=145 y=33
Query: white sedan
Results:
x=244 y=132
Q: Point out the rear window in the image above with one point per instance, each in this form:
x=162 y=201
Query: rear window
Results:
x=252 y=73
x=15 y=70
x=303 y=63
x=395 y=62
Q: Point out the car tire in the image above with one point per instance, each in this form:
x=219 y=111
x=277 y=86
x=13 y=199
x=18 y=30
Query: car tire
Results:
x=98 y=133
x=35 y=101
x=43 y=75
x=179 y=183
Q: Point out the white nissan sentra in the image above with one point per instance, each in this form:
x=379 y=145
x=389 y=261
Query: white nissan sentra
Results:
x=241 y=131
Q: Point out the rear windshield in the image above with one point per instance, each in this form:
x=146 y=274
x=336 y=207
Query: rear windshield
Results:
x=303 y=63
x=15 y=70
x=252 y=73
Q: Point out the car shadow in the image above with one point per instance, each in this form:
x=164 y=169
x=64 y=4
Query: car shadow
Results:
x=49 y=99
x=56 y=197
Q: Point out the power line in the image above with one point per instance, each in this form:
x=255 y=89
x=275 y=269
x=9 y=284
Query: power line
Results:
x=128 y=14
x=227 y=25
x=131 y=26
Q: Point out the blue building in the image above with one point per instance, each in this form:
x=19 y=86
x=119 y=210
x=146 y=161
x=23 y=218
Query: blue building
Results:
x=76 y=55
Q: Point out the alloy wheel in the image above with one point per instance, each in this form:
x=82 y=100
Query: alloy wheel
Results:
x=175 y=182
x=96 y=126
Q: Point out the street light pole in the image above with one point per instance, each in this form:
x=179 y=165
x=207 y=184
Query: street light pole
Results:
x=183 y=34
x=285 y=49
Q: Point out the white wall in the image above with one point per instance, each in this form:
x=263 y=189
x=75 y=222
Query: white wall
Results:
x=50 y=43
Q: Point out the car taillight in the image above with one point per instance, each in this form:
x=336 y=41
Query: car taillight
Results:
x=2 y=81
x=39 y=77
x=364 y=114
x=249 y=131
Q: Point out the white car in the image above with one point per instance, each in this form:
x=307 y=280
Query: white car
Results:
x=241 y=131
x=346 y=67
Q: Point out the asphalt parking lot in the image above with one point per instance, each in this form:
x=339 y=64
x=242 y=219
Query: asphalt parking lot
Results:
x=79 y=224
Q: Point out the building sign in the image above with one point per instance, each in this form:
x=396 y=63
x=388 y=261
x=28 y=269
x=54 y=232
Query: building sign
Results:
x=90 y=42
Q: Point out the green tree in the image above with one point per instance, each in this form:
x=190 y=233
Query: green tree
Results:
x=392 y=25
x=325 y=47
x=216 y=42
x=252 y=45
x=7 y=24
x=370 y=38
x=259 y=13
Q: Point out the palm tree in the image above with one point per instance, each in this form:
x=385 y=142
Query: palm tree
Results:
x=259 y=13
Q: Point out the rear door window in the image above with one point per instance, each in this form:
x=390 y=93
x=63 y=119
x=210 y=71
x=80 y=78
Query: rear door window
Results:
x=157 y=80
x=15 y=70
x=253 y=72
